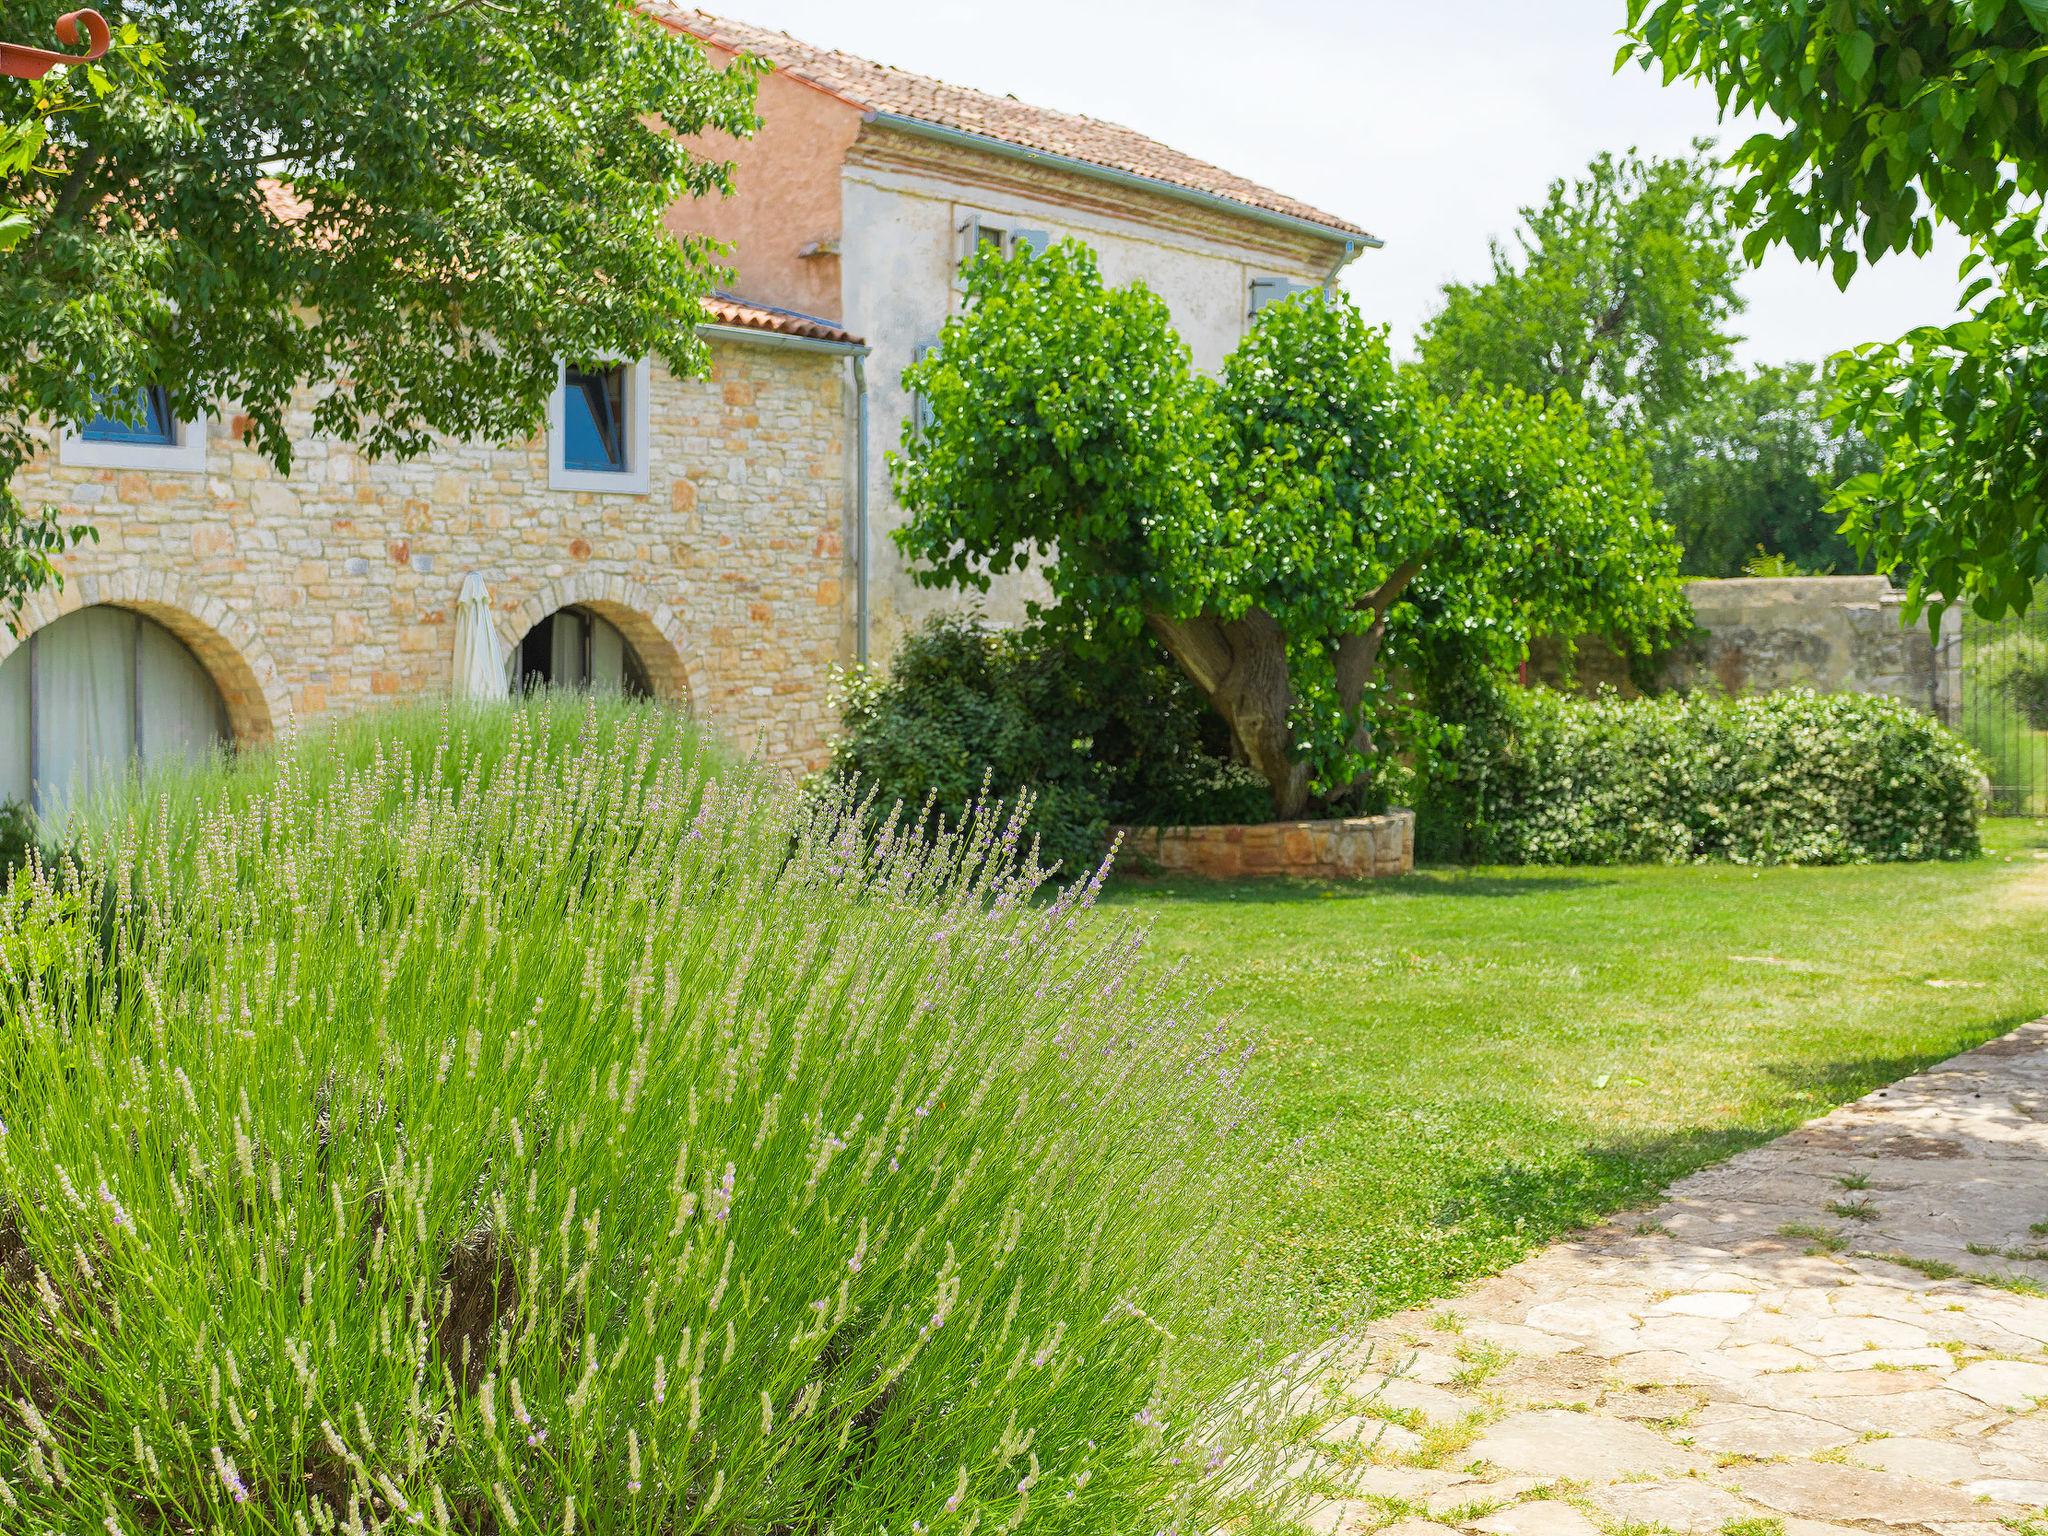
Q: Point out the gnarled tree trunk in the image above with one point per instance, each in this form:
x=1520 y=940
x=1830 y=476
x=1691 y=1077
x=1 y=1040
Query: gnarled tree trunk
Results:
x=1241 y=665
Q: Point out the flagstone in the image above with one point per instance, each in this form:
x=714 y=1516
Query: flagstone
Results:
x=1685 y=1505
x=1581 y=1447
x=1940 y=1461
x=1541 y=1517
x=1842 y=1492
x=1742 y=1429
x=2008 y=1383
x=1720 y=1372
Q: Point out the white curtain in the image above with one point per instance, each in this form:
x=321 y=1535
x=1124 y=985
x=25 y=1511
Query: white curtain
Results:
x=85 y=705
x=14 y=768
x=177 y=704
x=97 y=677
x=607 y=657
x=479 y=674
x=565 y=664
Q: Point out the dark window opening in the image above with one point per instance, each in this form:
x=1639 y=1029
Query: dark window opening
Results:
x=577 y=649
x=594 y=420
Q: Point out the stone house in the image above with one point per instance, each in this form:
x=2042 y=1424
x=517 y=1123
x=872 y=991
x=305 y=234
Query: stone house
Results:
x=721 y=542
x=866 y=187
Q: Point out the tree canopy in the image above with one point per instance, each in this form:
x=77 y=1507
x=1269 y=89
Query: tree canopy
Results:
x=1889 y=117
x=1266 y=527
x=417 y=210
x=1749 y=467
x=1619 y=291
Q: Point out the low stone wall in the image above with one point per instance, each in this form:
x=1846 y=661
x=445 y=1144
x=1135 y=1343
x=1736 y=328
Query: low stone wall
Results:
x=1839 y=634
x=1355 y=848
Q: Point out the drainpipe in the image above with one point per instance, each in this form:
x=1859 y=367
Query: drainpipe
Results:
x=1350 y=250
x=860 y=510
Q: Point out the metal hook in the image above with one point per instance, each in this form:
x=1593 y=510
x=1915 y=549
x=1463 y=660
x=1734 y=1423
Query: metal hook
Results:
x=34 y=63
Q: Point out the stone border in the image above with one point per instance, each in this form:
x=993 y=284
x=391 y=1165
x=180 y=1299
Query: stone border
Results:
x=1354 y=848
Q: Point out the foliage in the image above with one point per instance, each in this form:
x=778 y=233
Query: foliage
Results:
x=1619 y=292
x=1898 y=115
x=1961 y=497
x=1479 y=1062
x=591 y=1137
x=2017 y=669
x=1766 y=562
x=1791 y=777
x=17 y=836
x=966 y=712
x=416 y=209
x=1749 y=466
x=1267 y=527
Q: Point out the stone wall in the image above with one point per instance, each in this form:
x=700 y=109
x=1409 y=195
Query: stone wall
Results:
x=1839 y=634
x=1353 y=848
x=335 y=588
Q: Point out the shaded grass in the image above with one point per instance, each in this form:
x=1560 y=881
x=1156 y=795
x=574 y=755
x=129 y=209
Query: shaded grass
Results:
x=1480 y=1060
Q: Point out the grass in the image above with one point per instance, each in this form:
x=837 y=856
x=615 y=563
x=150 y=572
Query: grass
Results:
x=1477 y=1061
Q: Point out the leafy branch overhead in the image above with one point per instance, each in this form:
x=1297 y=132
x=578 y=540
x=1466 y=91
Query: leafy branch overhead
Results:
x=1889 y=119
x=415 y=211
x=1277 y=530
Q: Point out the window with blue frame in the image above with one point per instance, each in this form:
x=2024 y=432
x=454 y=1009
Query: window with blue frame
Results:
x=594 y=420
x=144 y=419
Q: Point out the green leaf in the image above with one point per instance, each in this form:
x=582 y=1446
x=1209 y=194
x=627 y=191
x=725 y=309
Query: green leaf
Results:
x=1855 y=50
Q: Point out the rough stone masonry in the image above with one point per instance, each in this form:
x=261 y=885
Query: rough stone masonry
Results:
x=335 y=588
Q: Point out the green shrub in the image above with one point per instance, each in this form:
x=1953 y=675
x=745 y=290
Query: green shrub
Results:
x=965 y=711
x=525 y=1121
x=17 y=837
x=1538 y=777
x=2017 y=669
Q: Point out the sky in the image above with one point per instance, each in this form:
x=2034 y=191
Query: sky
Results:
x=1429 y=132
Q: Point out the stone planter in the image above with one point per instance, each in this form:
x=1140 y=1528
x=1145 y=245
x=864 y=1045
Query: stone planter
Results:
x=1355 y=848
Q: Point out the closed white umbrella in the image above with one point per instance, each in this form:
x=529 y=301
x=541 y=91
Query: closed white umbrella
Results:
x=479 y=669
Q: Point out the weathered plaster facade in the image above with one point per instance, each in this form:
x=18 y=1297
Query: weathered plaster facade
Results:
x=334 y=588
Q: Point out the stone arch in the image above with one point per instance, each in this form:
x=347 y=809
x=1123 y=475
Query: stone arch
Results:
x=225 y=643
x=650 y=625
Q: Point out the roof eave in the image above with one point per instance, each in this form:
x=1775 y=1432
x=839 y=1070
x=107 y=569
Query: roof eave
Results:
x=1349 y=239
x=753 y=336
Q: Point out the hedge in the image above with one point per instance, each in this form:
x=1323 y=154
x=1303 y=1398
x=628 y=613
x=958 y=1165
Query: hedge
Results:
x=1794 y=777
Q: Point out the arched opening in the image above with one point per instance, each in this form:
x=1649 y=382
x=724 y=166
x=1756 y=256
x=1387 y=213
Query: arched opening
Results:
x=578 y=648
x=94 y=693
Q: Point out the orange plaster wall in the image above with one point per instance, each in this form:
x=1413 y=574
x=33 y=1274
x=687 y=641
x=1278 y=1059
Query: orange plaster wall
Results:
x=786 y=194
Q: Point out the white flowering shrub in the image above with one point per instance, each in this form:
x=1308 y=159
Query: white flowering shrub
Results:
x=1796 y=777
x=530 y=1127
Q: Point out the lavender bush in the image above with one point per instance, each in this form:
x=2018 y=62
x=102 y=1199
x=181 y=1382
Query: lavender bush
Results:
x=532 y=1123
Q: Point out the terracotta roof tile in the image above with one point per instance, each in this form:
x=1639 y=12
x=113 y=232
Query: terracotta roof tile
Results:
x=879 y=88
x=750 y=314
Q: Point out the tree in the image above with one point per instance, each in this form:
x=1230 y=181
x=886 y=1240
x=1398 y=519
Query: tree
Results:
x=1889 y=117
x=1268 y=528
x=1750 y=467
x=415 y=209
x=30 y=542
x=1619 y=292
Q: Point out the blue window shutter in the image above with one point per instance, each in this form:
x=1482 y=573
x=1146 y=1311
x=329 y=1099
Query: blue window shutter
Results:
x=1032 y=240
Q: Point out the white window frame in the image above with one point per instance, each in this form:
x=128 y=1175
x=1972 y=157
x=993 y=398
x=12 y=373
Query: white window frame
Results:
x=187 y=456
x=634 y=479
x=1290 y=287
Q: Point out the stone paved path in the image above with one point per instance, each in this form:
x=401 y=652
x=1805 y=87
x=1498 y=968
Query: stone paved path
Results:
x=1846 y=1330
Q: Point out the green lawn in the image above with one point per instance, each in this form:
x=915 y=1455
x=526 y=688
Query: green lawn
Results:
x=1480 y=1060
